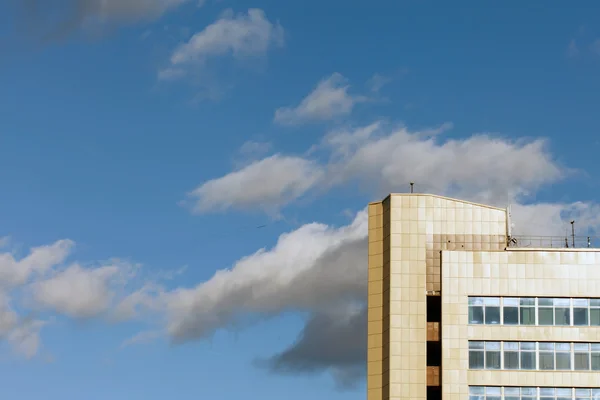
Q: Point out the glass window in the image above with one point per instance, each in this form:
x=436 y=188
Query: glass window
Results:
x=527 y=311
x=476 y=355
x=581 y=312
x=492 y=355
x=562 y=312
x=476 y=393
x=547 y=394
x=583 y=394
x=547 y=356
x=564 y=394
x=528 y=393
x=563 y=356
x=511 y=311
x=492 y=310
x=595 y=357
x=493 y=393
x=582 y=356
x=512 y=393
x=595 y=312
x=545 y=311
x=511 y=355
x=596 y=394
x=527 y=353
x=475 y=310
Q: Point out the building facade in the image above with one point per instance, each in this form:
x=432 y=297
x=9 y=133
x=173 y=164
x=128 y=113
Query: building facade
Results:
x=457 y=311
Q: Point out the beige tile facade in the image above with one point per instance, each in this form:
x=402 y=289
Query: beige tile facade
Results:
x=406 y=235
x=518 y=273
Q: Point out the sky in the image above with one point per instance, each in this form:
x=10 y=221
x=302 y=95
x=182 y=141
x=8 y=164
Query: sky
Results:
x=183 y=183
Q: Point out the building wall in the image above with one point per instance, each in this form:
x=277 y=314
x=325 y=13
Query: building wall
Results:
x=513 y=273
x=414 y=229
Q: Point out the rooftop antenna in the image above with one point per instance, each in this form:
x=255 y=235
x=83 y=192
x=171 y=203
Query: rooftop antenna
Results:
x=412 y=187
x=573 y=233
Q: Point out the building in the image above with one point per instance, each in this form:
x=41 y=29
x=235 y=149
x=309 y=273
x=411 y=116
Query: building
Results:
x=459 y=309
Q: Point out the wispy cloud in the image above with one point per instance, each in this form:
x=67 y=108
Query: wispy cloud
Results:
x=238 y=36
x=329 y=99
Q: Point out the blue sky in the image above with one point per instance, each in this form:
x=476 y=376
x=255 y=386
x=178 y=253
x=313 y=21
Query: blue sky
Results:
x=183 y=184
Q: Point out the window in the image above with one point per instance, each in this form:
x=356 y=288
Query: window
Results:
x=595 y=312
x=595 y=357
x=562 y=312
x=510 y=311
x=582 y=356
x=547 y=356
x=511 y=355
x=532 y=393
x=527 y=311
x=476 y=355
x=545 y=312
x=563 y=356
x=527 y=352
x=492 y=310
x=581 y=312
x=475 y=310
x=492 y=355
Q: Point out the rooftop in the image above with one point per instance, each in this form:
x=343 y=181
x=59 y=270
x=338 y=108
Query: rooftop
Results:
x=555 y=242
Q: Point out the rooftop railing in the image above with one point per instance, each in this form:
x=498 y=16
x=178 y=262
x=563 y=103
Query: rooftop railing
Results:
x=560 y=242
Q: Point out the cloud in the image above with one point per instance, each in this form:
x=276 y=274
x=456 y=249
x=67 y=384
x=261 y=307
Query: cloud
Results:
x=39 y=261
x=385 y=159
x=377 y=82
x=39 y=281
x=77 y=292
x=332 y=341
x=595 y=47
x=240 y=36
x=572 y=49
x=266 y=184
x=309 y=269
x=329 y=100
x=66 y=17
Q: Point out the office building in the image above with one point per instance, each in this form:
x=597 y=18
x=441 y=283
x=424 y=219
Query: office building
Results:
x=461 y=309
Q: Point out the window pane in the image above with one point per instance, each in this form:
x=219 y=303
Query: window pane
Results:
x=528 y=346
x=528 y=360
x=491 y=301
x=595 y=302
x=547 y=346
x=563 y=361
x=582 y=361
x=511 y=346
x=477 y=345
x=527 y=301
x=580 y=316
x=596 y=361
x=492 y=359
x=494 y=391
x=512 y=391
x=584 y=303
x=510 y=302
x=475 y=359
x=546 y=316
x=527 y=315
x=476 y=390
x=475 y=315
x=511 y=315
x=562 y=316
x=492 y=315
x=545 y=302
x=562 y=302
x=547 y=361
x=595 y=316
x=511 y=360
x=475 y=301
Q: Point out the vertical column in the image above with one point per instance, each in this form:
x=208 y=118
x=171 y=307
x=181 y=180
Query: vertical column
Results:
x=375 y=304
x=408 y=302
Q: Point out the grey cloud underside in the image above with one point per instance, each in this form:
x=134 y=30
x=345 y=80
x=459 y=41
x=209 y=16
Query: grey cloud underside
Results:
x=334 y=341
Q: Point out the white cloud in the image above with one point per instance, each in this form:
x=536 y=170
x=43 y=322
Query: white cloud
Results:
x=240 y=36
x=267 y=184
x=312 y=268
x=329 y=100
x=39 y=261
x=482 y=167
x=77 y=292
